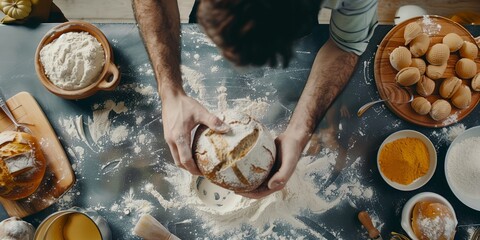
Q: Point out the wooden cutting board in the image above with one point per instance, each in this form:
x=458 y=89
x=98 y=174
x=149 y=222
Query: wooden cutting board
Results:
x=59 y=176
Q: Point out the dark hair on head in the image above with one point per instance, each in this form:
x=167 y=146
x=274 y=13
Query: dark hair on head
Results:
x=257 y=32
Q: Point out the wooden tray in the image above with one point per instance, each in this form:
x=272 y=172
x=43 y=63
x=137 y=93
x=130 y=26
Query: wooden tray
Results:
x=385 y=73
x=59 y=176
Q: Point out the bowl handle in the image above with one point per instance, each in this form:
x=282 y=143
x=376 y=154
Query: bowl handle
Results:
x=111 y=78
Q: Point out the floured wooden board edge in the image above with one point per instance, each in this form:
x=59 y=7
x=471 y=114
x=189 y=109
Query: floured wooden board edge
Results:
x=59 y=176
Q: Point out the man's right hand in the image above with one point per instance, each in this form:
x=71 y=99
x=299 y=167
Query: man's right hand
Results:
x=181 y=114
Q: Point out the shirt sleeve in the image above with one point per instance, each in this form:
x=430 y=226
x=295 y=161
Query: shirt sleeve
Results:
x=353 y=23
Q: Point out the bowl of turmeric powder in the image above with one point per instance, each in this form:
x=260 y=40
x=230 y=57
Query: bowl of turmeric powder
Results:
x=407 y=160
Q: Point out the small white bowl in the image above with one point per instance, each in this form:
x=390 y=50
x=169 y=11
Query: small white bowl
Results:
x=466 y=199
x=406 y=221
x=432 y=153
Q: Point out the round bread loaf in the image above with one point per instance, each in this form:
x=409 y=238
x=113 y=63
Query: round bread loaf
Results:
x=431 y=220
x=22 y=165
x=239 y=160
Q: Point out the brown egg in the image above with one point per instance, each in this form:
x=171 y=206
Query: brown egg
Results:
x=400 y=58
x=435 y=72
x=408 y=76
x=462 y=98
x=476 y=82
x=421 y=105
x=419 y=45
x=412 y=30
x=440 y=110
x=420 y=64
x=453 y=41
x=438 y=54
x=425 y=86
x=466 y=68
x=449 y=86
x=469 y=50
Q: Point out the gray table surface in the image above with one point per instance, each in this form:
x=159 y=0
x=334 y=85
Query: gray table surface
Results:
x=280 y=87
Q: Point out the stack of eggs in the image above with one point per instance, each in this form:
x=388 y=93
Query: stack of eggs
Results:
x=413 y=69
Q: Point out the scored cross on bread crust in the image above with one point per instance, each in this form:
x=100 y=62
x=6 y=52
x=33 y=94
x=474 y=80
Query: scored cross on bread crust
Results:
x=22 y=165
x=239 y=160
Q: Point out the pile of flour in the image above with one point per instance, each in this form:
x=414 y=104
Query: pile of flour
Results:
x=73 y=61
x=229 y=214
x=463 y=167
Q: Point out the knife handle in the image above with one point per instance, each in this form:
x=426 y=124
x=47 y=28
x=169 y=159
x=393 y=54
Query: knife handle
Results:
x=367 y=223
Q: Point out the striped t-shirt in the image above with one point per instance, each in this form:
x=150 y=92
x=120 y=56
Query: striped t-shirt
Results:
x=352 y=23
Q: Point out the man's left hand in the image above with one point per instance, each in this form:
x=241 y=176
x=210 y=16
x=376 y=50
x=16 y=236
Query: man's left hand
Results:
x=289 y=150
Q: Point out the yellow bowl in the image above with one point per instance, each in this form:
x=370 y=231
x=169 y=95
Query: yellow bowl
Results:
x=107 y=80
x=76 y=223
x=419 y=182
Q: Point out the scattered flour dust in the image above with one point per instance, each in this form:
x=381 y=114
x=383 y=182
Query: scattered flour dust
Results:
x=100 y=124
x=130 y=206
x=430 y=26
x=253 y=107
x=119 y=134
x=68 y=199
x=449 y=134
x=145 y=69
x=145 y=90
x=241 y=216
x=194 y=80
x=256 y=108
x=216 y=57
x=451 y=119
x=101 y=129
x=227 y=213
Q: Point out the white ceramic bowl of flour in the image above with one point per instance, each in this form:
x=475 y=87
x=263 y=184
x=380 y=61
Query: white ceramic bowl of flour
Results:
x=462 y=167
x=74 y=60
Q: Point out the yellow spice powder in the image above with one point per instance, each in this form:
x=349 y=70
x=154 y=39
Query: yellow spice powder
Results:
x=404 y=160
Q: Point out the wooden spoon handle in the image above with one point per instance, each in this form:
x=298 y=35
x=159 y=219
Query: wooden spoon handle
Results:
x=367 y=223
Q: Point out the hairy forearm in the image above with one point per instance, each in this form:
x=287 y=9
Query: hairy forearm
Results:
x=330 y=73
x=159 y=24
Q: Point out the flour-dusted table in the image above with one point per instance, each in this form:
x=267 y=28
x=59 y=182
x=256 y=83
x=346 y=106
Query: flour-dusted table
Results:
x=114 y=169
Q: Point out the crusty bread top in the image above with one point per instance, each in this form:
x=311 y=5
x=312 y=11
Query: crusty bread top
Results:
x=22 y=165
x=239 y=160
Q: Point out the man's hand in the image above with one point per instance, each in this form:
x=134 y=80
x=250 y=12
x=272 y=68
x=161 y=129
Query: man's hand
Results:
x=289 y=150
x=330 y=73
x=180 y=115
